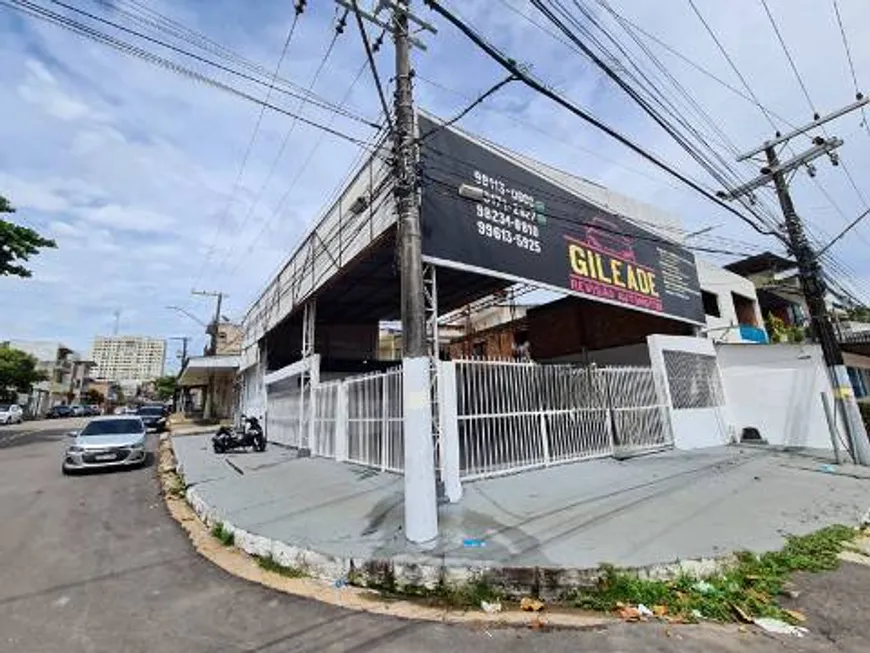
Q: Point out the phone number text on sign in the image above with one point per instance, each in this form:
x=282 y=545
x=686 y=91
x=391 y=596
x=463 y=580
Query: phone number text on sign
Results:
x=504 y=220
x=507 y=236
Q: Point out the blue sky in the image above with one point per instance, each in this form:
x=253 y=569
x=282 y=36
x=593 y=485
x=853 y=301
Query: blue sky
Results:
x=131 y=168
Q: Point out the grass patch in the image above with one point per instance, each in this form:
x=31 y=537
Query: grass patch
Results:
x=226 y=537
x=457 y=596
x=270 y=564
x=751 y=588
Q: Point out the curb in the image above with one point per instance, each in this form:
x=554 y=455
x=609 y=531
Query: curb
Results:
x=410 y=575
x=238 y=560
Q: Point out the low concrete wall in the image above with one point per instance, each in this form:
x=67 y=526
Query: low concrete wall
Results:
x=777 y=389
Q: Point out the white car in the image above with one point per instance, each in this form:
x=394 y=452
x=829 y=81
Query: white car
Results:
x=11 y=414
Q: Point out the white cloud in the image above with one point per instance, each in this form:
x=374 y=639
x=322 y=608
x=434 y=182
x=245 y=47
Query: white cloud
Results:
x=127 y=218
x=130 y=167
x=42 y=89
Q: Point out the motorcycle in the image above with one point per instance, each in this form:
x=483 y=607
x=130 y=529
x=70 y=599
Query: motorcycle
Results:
x=249 y=435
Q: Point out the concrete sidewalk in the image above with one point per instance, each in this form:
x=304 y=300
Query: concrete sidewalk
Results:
x=651 y=510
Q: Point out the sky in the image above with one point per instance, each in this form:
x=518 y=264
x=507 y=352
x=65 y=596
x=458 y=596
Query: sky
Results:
x=152 y=184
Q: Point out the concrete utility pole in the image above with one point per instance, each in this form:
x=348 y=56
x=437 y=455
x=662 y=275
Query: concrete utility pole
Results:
x=219 y=297
x=812 y=282
x=421 y=503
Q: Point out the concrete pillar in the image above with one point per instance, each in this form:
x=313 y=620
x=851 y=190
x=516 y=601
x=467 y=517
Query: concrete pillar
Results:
x=421 y=507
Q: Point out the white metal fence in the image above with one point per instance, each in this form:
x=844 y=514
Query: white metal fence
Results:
x=284 y=421
x=326 y=418
x=374 y=420
x=639 y=413
x=515 y=416
x=506 y=417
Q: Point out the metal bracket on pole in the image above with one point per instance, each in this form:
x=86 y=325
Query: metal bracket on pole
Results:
x=374 y=20
x=818 y=122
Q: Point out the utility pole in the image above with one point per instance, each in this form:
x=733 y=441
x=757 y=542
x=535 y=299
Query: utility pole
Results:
x=213 y=327
x=184 y=340
x=117 y=314
x=812 y=282
x=421 y=502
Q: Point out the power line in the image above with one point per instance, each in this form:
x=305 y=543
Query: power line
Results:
x=694 y=152
x=371 y=61
x=299 y=172
x=276 y=159
x=450 y=191
x=476 y=102
x=236 y=184
x=35 y=11
x=322 y=104
x=788 y=56
x=511 y=66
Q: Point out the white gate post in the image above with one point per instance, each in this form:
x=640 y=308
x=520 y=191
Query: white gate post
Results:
x=313 y=383
x=421 y=502
x=341 y=431
x=385 y=424
x=448 y=418
x=545 y=441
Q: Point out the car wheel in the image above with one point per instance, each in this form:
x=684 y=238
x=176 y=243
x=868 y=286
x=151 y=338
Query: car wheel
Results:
x=66 y=471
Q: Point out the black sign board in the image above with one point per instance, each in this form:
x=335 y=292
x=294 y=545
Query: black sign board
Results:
x=486 y=213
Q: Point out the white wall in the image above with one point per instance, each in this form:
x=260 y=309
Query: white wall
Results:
x=777 y=389
x=693 y=428
x=722 y=283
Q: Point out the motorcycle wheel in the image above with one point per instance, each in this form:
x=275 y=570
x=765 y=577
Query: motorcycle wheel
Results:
x=259 y=443
x=218 y=447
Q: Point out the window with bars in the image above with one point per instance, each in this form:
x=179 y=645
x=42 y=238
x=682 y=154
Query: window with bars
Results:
x=693 y=380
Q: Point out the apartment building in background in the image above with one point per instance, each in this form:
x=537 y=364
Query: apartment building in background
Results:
x=128 y=358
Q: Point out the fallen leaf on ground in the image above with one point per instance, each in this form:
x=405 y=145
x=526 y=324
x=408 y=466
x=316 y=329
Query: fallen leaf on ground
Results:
x=531 y=605
x=800 y=617
x=628 y=614
x=660 y=610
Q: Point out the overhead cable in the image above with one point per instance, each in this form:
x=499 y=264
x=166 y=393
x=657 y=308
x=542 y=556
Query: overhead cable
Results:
x=512 y=67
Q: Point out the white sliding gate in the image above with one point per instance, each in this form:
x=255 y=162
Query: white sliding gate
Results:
x=514 y=416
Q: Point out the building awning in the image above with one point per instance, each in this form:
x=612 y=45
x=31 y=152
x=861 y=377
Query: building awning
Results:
x=200 y=368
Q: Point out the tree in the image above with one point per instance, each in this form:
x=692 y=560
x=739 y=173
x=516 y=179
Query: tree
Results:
x=94 y=397
x=165 y=386
x=859 y=314
x=18 y=373
x=17 y=244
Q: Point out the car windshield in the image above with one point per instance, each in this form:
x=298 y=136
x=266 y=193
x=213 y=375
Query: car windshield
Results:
x=112 y=427
x=150 y=410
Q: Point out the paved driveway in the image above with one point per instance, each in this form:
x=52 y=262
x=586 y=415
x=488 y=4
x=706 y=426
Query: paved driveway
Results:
x=94 y=563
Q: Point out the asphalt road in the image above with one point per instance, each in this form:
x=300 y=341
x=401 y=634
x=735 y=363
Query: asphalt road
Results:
x=94 y=563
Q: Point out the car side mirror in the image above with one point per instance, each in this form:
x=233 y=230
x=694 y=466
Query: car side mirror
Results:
x=72 y=434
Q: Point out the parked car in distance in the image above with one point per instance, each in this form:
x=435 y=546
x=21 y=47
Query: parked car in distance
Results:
x=106 y=442
x=76 y=410
x=11 y=414
x=153 y=416
x=58 y=411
